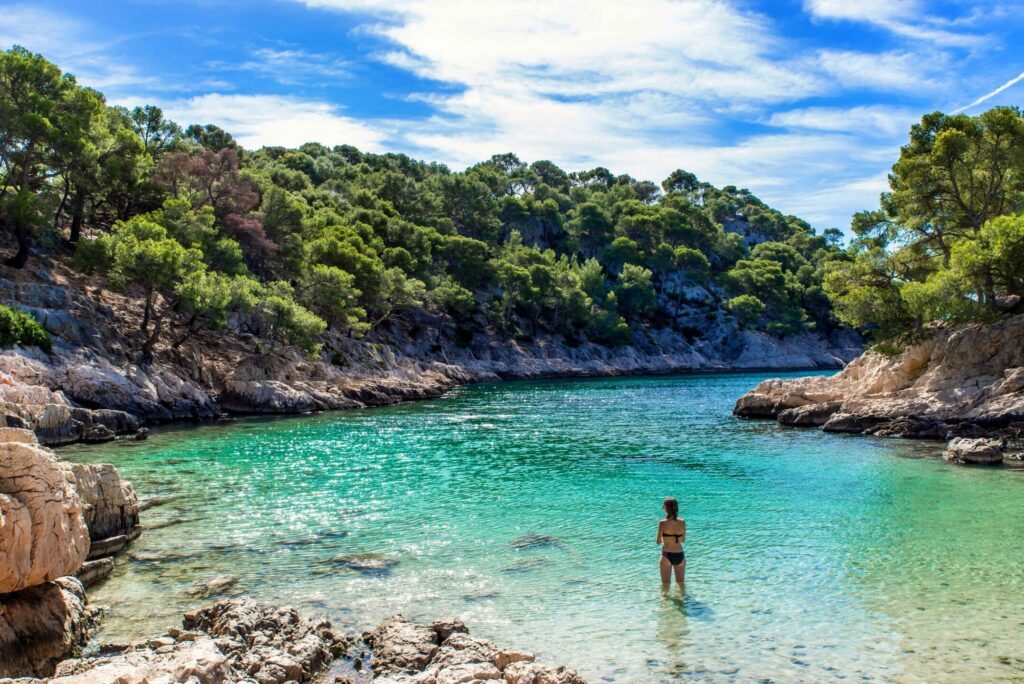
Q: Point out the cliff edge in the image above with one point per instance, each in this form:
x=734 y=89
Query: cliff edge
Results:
x=963 y=381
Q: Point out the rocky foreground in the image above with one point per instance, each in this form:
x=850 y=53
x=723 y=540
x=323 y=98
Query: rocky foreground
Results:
x=60 y=524
x=964 y=384
x=245 y=642
x=92 y=386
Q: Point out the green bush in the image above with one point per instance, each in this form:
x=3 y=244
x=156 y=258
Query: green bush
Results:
x=747 y=309
x=17 y=327
x=887 y=349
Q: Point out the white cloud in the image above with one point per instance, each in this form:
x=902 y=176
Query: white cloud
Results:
x=644 y=88
x=887 y=71
x=259 y=120
x=906 y=18
x=875 y=121
x=66 y=42
x=291 y=66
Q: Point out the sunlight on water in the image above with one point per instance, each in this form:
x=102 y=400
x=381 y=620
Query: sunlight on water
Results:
x=812 y=557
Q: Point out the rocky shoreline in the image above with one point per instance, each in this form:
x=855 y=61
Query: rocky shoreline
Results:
x=61 y=525
x=92 y=388
x=963 y=384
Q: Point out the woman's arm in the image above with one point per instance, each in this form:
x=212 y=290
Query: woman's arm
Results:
x=660 y=523
x=683 y=538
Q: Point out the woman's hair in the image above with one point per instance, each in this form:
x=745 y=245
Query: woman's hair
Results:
x=671 y=507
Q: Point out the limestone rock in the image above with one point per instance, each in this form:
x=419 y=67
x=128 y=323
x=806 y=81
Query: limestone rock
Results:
x=445 y=627
x=95 y=571
x=810 y=415
x=41 y=626
x=407 y=653
x=273 y=645
x=198 y=660
x=974 y=451
x=111 y=507
x=535 y=673
x=232 y=641
x=401 y=645
x=969 y=375
x=42 y=532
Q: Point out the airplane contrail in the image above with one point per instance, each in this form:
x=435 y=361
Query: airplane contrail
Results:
x=1009 y=84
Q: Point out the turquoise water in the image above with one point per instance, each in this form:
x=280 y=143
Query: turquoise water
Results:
x=812 y=557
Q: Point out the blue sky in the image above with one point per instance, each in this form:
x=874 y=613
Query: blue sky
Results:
x=805 y=102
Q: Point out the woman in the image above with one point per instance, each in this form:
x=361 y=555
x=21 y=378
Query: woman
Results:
x=671 y=535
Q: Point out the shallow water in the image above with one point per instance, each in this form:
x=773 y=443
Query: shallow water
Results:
x=812 y=557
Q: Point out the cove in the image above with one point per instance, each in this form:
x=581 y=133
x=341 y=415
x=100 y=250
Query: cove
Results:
x=528 y=509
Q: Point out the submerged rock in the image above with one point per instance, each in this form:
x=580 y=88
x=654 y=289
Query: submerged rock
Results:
x=215 y=586
x=535 y=541
x=974 y=451
x=367 y=563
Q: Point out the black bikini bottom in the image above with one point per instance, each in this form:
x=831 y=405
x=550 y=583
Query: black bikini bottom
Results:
x=675 y=557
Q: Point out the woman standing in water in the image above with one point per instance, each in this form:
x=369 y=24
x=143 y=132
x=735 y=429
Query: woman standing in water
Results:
x=671 y=535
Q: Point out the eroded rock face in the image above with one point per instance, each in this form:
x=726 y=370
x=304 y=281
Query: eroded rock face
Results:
x=41 y=626
x=444 y=653
x=974 y=451
x=110 y=506
x=961 y=377
x=42 y=530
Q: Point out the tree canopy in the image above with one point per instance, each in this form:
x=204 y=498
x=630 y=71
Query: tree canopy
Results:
x=947 y=243
x=290 y=242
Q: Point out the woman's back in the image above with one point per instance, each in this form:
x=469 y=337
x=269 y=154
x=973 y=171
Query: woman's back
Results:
x=673 y=534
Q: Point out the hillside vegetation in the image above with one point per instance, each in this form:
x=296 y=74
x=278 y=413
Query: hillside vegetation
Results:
x=285 y=243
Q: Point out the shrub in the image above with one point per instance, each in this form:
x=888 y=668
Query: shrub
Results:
x=747 y=309
x=887 y=349
x=17 y=327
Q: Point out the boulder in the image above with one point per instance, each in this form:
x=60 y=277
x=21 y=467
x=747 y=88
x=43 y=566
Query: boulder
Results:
x=111 y=507
x=534 y=673
x=273 y=645
x=41 y=626
x=43 y=534
x=404 y=652
x=974 y=451
x=194 y=660
x=809 y=415
x=445 y=627
x=400 y=645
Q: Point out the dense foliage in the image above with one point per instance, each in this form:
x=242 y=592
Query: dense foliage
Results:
x=17 y=327
x=294 y=241
x=948 y=241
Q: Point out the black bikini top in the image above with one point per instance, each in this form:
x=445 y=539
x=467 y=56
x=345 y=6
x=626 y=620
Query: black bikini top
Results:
x=669 y=534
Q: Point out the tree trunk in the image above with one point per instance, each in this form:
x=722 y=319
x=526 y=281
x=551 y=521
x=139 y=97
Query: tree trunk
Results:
x=24 y=237
x=147 y=348
x=147 y=312
x=60 y=209
x=77 y=213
